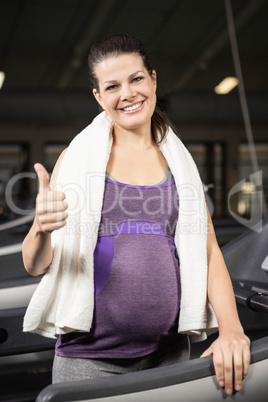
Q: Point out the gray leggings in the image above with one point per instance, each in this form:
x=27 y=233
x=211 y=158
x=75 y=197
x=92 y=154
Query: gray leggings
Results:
x=75 y=369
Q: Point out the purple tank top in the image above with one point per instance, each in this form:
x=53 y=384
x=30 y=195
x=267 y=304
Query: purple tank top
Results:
x=136 y=275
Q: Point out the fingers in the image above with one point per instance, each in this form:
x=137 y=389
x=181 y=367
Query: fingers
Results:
x=43 y=178
x=246 y=359
x=207 y=352
x=231 y=362
x=51 y=207
x=52 y=201
x=224 y=369
x=238 y=371
x=44 y=207
x=51 y=215
x=219 y=366
x=230 y=373
x=50 y=222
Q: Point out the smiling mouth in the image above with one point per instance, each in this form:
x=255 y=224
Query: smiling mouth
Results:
x=133 y=108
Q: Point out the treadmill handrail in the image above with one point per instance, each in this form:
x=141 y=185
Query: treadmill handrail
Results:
x=143 y=380
x=256 y=301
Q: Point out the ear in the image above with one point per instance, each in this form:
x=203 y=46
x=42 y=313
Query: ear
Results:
x=98 y=97
x=154 y=80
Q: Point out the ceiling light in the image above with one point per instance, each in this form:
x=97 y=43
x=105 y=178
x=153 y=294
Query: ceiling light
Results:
x=2 y=78
x=226 y=85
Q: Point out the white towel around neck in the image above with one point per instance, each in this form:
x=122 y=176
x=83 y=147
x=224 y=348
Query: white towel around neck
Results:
x=64 y=300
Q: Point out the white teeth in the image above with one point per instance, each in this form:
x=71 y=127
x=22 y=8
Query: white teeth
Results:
x=136 y=106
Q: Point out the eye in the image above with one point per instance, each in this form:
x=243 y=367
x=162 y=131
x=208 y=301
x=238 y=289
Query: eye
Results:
x=137 y=79
x=111 y=88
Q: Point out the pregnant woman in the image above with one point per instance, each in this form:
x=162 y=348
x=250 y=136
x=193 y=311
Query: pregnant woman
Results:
x=122 y=233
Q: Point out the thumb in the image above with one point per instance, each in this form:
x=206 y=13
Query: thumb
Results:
x=43 y=177
x=207 y=352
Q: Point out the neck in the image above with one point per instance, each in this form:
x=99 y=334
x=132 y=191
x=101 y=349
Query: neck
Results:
x=140 y=138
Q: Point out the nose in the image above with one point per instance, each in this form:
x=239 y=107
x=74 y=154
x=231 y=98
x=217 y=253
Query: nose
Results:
x=127 y=92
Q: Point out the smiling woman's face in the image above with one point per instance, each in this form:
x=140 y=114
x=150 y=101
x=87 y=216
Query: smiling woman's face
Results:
x=127 y=92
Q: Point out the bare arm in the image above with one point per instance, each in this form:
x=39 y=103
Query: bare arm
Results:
x=51 y=214
x=230 y=351
x=220 y=290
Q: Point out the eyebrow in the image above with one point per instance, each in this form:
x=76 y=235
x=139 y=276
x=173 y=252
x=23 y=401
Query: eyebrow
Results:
x=130 y=77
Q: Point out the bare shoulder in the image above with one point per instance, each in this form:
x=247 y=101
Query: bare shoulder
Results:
x=56 y=168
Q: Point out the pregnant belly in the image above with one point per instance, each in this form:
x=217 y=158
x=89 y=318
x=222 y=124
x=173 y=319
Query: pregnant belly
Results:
x=140 y=294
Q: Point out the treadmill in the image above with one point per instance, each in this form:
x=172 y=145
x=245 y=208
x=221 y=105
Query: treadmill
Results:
x=26 y=359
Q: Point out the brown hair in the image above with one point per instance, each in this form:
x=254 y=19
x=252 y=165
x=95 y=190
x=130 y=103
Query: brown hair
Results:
x=116 y=45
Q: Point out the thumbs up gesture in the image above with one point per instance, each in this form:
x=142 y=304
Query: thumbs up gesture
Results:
x=51 y=209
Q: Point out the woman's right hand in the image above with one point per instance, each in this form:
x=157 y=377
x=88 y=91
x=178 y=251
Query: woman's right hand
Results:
x=51 y=209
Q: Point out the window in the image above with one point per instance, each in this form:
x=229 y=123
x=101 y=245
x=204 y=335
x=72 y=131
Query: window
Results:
x=209 y=158
x=13 y=160
x=249 y=189
x=51 y=154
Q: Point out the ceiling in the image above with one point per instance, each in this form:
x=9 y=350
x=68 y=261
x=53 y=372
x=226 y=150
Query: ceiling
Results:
x=44 y=46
